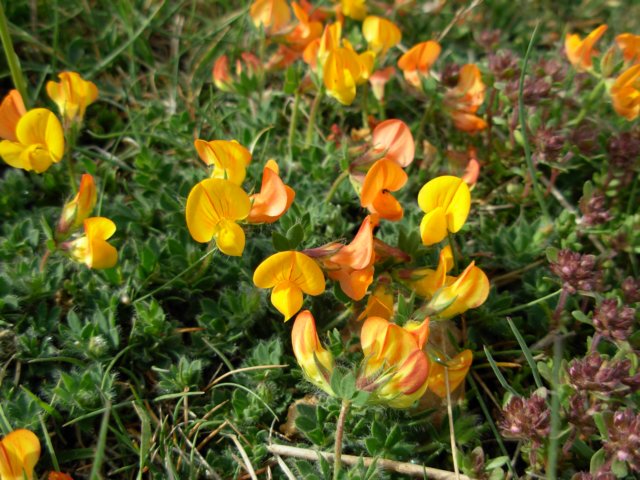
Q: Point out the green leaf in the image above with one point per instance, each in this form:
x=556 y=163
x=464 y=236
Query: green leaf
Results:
x=280 y=242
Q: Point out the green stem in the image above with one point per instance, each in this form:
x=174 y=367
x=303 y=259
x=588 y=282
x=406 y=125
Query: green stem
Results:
x=12 y=58
x=337 y=457
x=423 y=123
x=527 y=305
x=365 y=105
x=523 y=126
x=335 y=185
x=555 y=411
x=293 y=124
x=71 y=170
x=312 y=118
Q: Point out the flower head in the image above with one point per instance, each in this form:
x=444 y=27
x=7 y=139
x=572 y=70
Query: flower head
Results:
x=213 y=208
x=273 y=15
x=579 y=51
x=356 y=9
x=380 y=33
x=630 y=46
x=316 y=362
x=418 y=60
x=446 y=201
x=80 y=207
x=228 y=157
x=464 y=100
x=221 y=76
x=72 y=95
x=380 y=303
x=379 y=79
x=92 y=249
x=383 y=177
x=39 y=142
x=457 y=369
x=343 y=70
x=19 y=453
x=469 y=290
x=395 y=368
x=305 y=31
x=274 y=198
x=290 y=274
x=625 y=93
x=11 y=110
x=393 y=139
x=577 y=271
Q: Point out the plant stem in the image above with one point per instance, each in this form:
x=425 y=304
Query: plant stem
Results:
x=293 y=124
x=337 y=459
x=525 y=137
x=365 y=105
x=312 y=118
x=334 y=186
x=12 y=58
x=452 y=432
x=555 y=411
x=527 y=305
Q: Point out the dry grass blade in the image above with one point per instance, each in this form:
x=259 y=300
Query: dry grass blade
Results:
x=245 y=458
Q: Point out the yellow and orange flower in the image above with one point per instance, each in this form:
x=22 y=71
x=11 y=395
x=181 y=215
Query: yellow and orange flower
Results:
x=459 y=294
x=380 y=303
x=92 y=248
x=72 y=95
x=378 y=81
x=381 y=34
x=305 y=32
x=59 y=476
x=11 y=111
x=625 y=93
x=274 y=198
x=343 y=70
x=316 y=362
x=464 y=100
x=418 y=60
x=273 y=15
x=19 y=453
x=425 y=282
x=630 y=46
x=316 y=52
x=289 y=274
x=383 y=177
x=457 y=367
x=221 y=75
x=228 y=158
x=393 y=139
x=446 y=201
x=213 y=208
x=579 y=51
x=39 y=142
x=80 y=207
x=396 y=369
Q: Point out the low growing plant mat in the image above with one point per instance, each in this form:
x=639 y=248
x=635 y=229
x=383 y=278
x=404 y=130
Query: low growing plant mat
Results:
x=339 y=239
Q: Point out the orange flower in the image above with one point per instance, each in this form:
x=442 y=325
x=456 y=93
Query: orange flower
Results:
x=465 y=99
x=59 y=476
x=417 y=61
x=383 y=177
x=220 y=73
x=214 y=207
x=380 y=302
x=625 y=93
x=273 y=15
x=19 y=453
x=379 y=79
x=75 y=211
x=579 y=51
x=305 y=32
x=469 y=290
x=72 y=95
x=229 y=158
x=274 y=198
x=396 y=369
x=457 y=367
x=630 y=46
x=381 y=34
x=393 y=139
x=11 y=111
x=316 y=362
x=290 y=274
x=92 y=249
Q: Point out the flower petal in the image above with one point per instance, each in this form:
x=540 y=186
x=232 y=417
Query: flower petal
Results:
x=287 y=298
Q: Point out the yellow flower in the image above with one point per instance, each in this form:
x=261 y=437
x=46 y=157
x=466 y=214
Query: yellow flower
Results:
x=469 y=290
x=273 y=15
x=72 y=95
x=417 y=61
x=426 y=282
x=396 y=369
x=446 y=200
x=356 y=9
x=380 y=33
x=625 y=93
x=342 y=71
x=39 y=142
x=228 y=157
x=92 y=249
x=458 y=367
x=75 y=211
x=19 y=453
x=316 y=362
x=579 y=51
x=380 y=302
x=289 y=274
x=11 y=110
x=213 y=208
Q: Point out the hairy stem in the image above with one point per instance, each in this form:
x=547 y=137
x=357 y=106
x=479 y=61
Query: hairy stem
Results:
x=312 y=118
x=337 y=458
